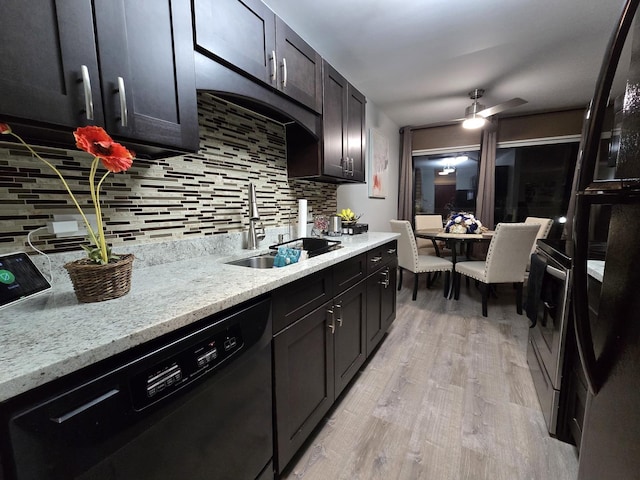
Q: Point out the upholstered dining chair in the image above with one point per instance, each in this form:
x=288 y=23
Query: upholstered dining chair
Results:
x=422 y=222
x=409 y=259
x=506 y=261
x=545 y=227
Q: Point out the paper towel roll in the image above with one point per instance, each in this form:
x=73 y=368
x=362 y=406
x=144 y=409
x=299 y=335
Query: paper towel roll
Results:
x=302 y=218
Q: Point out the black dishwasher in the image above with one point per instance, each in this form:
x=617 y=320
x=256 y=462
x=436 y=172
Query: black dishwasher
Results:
x=195 y=404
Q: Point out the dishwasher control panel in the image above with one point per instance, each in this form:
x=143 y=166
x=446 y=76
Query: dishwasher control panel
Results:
x=204 y=356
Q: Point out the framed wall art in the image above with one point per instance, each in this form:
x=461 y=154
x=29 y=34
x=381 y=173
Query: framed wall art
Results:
x=378 y=166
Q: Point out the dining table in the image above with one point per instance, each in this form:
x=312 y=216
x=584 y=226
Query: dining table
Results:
x=458 y=242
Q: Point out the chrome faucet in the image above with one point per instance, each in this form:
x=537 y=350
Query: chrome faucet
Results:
x=256 y=232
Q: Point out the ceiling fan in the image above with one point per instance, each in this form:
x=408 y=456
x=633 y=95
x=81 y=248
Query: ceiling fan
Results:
x=476 y=113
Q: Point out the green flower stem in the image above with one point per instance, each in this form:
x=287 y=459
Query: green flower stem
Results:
x=66 y=185
x=103 y=241
x=95 y=196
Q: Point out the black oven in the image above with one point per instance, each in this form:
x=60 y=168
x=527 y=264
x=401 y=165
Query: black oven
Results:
x=194 y=404
x=551 y=272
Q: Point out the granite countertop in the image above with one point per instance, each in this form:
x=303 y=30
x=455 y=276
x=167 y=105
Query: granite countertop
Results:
x=51 y=335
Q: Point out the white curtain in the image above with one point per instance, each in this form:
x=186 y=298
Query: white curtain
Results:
x=405 y=188
x=485 y=203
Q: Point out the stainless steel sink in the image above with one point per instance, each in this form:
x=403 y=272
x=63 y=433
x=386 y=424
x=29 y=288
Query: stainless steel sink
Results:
x=259 y=261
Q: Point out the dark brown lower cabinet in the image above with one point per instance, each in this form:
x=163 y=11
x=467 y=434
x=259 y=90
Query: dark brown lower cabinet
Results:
x=349 y=317
x=304 y=380
x=321 y=334
x=381 y=304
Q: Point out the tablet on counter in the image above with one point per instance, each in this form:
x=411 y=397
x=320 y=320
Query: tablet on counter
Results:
x=19 y=279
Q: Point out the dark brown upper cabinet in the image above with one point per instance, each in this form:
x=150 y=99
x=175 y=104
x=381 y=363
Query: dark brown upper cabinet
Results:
x=247 y=36
x=339 y=157
x=131 y=71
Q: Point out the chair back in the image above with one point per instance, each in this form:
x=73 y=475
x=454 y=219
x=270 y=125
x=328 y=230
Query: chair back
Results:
x=545 y=227
x=407 y=248
x=428 y=221
x=422 y=222
x=509 y=251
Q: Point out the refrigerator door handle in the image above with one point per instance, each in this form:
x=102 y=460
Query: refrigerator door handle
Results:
x=580 y=303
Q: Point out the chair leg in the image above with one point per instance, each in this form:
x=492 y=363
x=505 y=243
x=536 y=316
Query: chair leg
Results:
x=447 y=281
x=400 y=278
x=456 y=285
x=430 y=280
x=519 y=298
x=485 y=293
x=415 y=286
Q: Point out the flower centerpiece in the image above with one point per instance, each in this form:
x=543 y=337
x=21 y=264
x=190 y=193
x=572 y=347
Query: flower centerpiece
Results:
x=114 y=158
x=463 y=222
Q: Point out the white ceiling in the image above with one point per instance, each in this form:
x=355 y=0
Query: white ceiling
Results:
x=418 y=59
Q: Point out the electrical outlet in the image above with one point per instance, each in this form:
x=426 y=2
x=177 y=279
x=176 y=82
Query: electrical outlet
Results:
x=81 y=230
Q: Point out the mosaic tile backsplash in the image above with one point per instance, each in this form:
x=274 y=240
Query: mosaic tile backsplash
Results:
x=187 y=196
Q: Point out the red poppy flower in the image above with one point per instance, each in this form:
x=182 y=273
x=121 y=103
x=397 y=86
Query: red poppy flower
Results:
x=97 y=142
x=4 y=129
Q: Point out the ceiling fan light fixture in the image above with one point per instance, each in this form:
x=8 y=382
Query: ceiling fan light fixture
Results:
x=472 y=119
x=474 y=122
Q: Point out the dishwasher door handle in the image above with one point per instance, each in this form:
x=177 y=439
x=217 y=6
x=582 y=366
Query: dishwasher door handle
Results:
x=85 y=407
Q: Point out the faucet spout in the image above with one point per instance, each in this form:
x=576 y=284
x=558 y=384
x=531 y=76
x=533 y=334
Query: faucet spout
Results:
x=256 y=232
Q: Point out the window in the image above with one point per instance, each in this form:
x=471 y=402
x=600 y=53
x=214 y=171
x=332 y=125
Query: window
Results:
x=445 y=182
x=534 y=180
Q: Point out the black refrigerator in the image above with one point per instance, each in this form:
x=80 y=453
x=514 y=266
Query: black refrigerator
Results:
x=607 y=319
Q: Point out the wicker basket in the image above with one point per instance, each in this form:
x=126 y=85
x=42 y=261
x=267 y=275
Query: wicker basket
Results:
x=97 y=283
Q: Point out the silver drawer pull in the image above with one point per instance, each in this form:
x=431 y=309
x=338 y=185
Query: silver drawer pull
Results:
x=88 y=96
x=391 y=251
x=376 y=259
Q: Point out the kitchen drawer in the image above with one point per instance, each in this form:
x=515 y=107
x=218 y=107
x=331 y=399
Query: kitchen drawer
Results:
x=296 y=299
x=349 y=272
x=381 y=255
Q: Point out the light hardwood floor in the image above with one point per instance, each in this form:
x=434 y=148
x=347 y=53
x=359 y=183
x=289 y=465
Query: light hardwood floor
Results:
x=448 y=395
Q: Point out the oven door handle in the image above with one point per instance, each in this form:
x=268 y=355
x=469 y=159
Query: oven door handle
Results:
x=557 y=273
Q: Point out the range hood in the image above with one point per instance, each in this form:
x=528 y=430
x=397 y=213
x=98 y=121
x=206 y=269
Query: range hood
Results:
x=225 y=82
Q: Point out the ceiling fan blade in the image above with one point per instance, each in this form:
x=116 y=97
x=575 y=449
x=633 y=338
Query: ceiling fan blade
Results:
x=501 y=107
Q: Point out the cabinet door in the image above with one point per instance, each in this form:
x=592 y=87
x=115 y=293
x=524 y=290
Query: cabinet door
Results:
x=239 y=32
x=381 y=304
x=299 y=67
x=334 y=121
x=147 y=71
x=43 y=51
x=349 y=311
x=356 y=136
x=303 y=380
x=388 y=296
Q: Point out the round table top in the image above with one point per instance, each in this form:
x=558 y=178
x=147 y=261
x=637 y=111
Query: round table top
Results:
x=439 y=234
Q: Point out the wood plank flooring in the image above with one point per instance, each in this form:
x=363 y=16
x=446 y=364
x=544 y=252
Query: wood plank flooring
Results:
x=448 y=395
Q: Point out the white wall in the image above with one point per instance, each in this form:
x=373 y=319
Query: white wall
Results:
x=376 y=212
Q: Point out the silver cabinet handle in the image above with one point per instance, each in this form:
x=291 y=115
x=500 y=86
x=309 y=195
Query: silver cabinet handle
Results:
x=352 y=167
x=376 y=259
x=274 y=65
x=123 y=102
x=332 y=325
x=339 y=306
x=88 y=96
x=345 y=166
x=284 y=73
x=391 y=251
x=385 y=278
